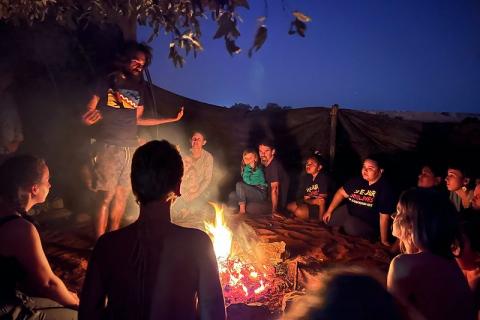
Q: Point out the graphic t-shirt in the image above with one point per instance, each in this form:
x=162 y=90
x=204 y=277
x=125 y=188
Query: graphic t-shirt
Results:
x=118 y=105
x=368 y=201
x=275 y=172
x=313 y=188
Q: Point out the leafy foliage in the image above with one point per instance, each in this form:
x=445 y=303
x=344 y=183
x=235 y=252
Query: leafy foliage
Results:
x=178 y=18
x=299 y=25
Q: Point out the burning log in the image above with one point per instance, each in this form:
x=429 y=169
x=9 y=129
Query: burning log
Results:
x=256 y=274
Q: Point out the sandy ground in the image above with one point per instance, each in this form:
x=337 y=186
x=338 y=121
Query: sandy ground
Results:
x=311 y=245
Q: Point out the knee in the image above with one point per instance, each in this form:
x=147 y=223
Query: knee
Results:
x=239 y=185
x=292 y=207
x=104 y=198
x=301 y=212
x=121 y=193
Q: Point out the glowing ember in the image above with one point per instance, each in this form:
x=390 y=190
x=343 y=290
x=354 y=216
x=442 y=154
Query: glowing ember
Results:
x=242 y=281
x=220 y=234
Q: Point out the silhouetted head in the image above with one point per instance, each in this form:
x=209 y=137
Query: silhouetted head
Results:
x=347 y=293
x=157 y=170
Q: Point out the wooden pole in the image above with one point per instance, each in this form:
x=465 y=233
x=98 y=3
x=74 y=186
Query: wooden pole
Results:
x=333 y=133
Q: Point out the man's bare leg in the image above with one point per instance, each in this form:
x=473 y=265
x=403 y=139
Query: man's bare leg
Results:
x=242 y=208
x=118 y=207
x=104 y=198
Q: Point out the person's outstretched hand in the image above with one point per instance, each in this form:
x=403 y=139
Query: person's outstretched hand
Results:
x=91 y=117
x=179 y=114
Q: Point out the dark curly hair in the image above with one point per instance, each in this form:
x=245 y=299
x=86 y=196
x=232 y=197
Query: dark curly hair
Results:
x=130 y=50
x=157 y=168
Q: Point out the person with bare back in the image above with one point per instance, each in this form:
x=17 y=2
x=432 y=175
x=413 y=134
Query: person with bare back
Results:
x=29 y=289
x=153 y=269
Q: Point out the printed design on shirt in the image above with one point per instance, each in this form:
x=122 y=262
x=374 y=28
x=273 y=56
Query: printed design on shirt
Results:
x=363 y=197
x=123 y=98
x=312 y=191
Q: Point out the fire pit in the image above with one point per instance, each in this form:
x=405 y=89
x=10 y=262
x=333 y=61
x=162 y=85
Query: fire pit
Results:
x=246 y=277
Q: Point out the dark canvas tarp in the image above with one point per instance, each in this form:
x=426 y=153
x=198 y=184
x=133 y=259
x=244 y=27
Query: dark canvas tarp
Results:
x=296 y=132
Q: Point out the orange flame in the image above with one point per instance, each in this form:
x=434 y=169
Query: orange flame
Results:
x=220 y=234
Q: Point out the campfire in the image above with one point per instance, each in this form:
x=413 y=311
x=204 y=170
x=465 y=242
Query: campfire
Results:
x=244 y=277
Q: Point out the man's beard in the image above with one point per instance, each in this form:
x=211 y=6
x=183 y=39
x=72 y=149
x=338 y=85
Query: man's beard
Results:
x=132 y=74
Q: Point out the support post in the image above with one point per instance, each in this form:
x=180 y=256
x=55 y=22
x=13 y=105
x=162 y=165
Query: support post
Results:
x=333 y=133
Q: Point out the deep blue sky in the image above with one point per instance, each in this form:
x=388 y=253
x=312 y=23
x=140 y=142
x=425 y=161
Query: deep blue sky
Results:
x=421 y=55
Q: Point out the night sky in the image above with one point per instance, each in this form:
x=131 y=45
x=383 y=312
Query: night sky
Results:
x=420 y=55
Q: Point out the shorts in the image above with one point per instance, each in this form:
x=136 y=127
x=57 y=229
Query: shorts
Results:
x=112 y=167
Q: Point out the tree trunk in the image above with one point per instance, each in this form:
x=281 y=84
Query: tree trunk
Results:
x=128 y=25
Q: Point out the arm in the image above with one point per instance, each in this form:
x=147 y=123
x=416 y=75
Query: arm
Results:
x=253 y=178
x=384 y=222
x=210 y=295
x=40 y=276
x=92 y=115
x=141 y=121
x=247 y=175
x=336 y=201
x=207 y=174
x=93 y=298
x=275 y=190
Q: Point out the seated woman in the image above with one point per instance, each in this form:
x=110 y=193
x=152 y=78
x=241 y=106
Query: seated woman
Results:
x=253 y=187
x=24 y=182
x=458 y=183
x=370 y=203
x=313 y=191
x=426 y=275
x=153 y=269
x=198 y=175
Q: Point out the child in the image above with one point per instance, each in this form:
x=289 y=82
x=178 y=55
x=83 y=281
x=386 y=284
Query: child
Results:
x=253 y=188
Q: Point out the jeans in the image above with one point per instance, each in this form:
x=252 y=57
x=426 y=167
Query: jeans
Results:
x=248 y=193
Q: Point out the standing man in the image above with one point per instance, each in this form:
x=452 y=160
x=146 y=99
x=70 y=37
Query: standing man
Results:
x=117 y=105
x=275 y=175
